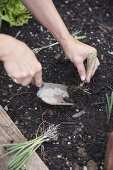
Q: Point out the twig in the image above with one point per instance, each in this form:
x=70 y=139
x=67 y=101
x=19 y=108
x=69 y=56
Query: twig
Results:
x=43 y=153
x=68 y=123
x=18 y=94
x=97 y=103
x=63 y=158
x=75 y=35
x=80 y=88
x=37 y=50
x=85 y=91
x=17 y=34
x=37 y=133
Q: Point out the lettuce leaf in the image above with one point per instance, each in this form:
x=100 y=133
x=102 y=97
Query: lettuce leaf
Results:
x=14 y=12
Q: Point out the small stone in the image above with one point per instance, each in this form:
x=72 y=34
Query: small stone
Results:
x=85 y=168
x=66 y=2
x=110 y=52
x=92 y=20
x=57 y=143
x=82 y=152
x=103 y=76
x=92 y=165
x=67 y=163
x=79 y=129
x=76 y=115
x=10 y=85
x=90 y=9
x=6 y=108
x=58 y=56
x=41 y=29
x=69 y=143
x=89 y=137
x=75 y=166
x=98 y=40
x=23 y=167
x=28 y=118
x=16 y=123
x=59 y=156
x=80 y=135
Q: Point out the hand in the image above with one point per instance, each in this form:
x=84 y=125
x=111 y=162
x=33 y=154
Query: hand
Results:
x=21 y=64
x=77 y=52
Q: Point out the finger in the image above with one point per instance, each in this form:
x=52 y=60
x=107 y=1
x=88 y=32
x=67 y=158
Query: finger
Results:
x=23 y=81
x=38 y=79
x=26 y=81
x=17 y=81
x=33 y=81
x=89 y=72
x=81 y=70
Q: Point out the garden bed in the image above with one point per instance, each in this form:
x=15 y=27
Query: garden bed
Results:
x=82 y=137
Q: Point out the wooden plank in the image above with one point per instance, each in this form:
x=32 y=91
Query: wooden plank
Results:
x=108 y=163
x=9 y=132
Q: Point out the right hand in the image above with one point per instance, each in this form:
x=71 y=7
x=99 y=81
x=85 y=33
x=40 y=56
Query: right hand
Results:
x=78 y=52
x=21 y=64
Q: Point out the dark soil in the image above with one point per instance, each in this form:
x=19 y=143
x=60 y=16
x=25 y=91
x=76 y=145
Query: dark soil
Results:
x=88 y=132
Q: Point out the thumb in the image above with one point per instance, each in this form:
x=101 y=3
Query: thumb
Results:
x=82 y=71
x=38 y=79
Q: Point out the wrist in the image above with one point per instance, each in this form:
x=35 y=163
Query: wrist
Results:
x=66 y=42
x=69 y=44
x=63 y=39
x=7 y=44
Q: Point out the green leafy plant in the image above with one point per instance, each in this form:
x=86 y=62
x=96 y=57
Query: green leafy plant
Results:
x=14 y=12
x=109 y=106
x=23 y=151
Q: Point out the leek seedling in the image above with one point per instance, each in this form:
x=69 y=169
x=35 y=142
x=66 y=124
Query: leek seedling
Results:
x=109 y=106
x=23 y=151
x=90 y=60
x=76 y=36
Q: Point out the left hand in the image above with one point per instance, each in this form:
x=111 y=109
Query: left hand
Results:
x=77 y=52
x=20 y=62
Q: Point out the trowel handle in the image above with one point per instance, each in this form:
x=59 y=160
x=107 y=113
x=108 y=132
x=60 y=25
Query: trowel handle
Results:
x=108 y=164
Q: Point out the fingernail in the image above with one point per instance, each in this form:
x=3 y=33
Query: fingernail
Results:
x=83 y=78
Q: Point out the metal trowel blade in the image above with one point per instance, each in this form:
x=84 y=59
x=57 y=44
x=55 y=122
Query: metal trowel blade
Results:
x=54 y=94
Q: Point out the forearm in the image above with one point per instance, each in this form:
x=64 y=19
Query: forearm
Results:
x=46 y=13
x=3 y=47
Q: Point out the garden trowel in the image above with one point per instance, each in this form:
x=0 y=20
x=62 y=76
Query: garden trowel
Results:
x=54 y=94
